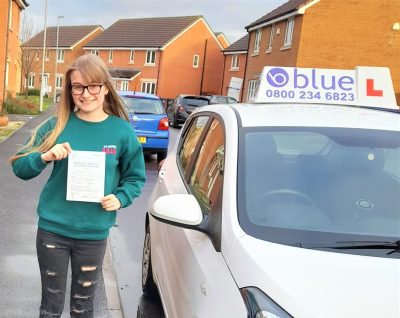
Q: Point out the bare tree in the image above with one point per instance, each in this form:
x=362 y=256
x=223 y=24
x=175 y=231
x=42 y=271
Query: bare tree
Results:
x=28 y=57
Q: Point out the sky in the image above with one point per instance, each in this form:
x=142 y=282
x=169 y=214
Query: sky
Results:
x=229 y=17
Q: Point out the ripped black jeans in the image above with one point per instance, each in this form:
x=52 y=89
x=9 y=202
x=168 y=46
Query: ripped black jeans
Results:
x=54 y=252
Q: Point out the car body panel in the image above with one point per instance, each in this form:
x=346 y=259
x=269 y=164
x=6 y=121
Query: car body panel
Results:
x=312 y=284
x=190 y=292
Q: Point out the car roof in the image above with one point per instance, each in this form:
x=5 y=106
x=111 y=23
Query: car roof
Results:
x=135 y=94
x=310 y=115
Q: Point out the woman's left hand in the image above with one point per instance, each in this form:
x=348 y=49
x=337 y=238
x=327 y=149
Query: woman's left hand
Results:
x=110 y=203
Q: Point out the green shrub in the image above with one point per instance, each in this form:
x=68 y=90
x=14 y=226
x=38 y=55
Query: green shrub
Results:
x=34 y=92
x=20 y=106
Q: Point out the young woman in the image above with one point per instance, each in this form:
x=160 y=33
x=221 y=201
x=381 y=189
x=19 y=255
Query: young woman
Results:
x=89 y=117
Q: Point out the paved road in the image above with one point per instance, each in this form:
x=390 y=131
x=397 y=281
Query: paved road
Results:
x=19 y=271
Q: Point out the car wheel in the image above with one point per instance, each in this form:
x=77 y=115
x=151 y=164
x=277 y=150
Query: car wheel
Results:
x=161 y=156
x=148 y=286
x=175 y=124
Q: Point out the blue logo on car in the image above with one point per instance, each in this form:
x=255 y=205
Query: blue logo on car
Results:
x=277 y=77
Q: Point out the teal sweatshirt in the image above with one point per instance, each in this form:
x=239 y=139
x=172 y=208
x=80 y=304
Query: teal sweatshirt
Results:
x=125 y=176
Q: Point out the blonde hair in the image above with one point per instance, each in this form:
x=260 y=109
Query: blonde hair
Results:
x=93 y=70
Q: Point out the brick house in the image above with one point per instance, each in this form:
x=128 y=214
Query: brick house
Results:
x=166 y=56
x=10 y=74
x=234 y=67
x=71 y=39
x=339 y=34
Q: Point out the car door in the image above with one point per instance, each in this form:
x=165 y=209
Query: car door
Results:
x=193 y=276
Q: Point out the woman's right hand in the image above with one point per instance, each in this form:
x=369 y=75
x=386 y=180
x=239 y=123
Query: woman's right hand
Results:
x=57 y=152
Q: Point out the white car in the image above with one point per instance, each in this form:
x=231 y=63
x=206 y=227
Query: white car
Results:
x=278 y=210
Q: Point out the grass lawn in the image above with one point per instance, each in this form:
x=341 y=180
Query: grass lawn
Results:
x=8 y=130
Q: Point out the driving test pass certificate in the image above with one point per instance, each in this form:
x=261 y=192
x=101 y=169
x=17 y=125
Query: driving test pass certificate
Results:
x=86 y=173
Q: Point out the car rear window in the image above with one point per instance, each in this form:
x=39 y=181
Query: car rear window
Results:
x=194 y=102
x=143 y=105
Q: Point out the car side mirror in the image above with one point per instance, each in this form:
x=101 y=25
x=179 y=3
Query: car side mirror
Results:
x=177 y=209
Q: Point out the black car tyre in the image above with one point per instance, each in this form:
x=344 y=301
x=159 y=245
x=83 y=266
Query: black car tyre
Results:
x=161 y=155
x=175 y=124
x=148 y=286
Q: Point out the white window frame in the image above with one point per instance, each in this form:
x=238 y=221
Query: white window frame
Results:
x=60 y=56
x=31 y=80
x=124 y=85
x=47 y=55
x=257 y=41
x=11 y=14
x=59 y=79
x=7 y=73
x=110 y=56
x=271 y=37
x=95 y=52
x=289 y=33
x=132 y=56
x=196 y=60
x=150 y=57
x=251 y=89
x=148 y=87
x=235 y=62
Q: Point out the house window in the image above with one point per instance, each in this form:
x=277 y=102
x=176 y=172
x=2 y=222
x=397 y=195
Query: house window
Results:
x=95 y=52
x=11 y=14
x=110 y=56
x=149 y=87
x=151 y=57
x=289 y=32
x=60 y=56
x=235 y=62
x=257 y=41
x=132 y=56
x=37 y=56
x=47 y=55
x=124 y=85
x=251 y=90
x=59 y=81
x=196 y=60
x=271 y=37
x=31 y=80
x=7 y=70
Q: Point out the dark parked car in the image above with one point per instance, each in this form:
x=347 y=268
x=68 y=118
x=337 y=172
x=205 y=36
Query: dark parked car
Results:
x=219 y=99
x=183 y=106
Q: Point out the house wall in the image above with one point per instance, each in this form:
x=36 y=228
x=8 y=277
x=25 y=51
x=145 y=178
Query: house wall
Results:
x=14 y=70
x=121 y=60
x=70 y=54
x=279 y=55
x=229 y=72
x=214 y=67
x=346 y=33
x=177 y=74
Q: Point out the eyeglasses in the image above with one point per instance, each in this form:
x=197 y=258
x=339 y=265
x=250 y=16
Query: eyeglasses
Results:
x=92 y=89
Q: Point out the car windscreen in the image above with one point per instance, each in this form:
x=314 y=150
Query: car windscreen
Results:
x=299 y=186
x=194 y=102
x=139 y=105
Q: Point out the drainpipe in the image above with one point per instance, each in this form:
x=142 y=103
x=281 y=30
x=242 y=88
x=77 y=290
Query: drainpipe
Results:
x=223 y=76
x=245 y=68
x=202 y=71
x=158 y=71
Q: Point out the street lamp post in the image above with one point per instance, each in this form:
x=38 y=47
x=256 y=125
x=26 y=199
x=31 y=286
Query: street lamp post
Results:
x=43 y=57
x=56 y=60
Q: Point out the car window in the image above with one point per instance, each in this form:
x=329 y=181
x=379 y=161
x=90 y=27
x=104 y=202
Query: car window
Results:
x=207 y=177
x=339 y=183
x=191 y=138
x=143 y=105
x=231 y=100
x=194 y=102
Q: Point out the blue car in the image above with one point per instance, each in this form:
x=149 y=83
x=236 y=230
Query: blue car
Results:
x=148 y=118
